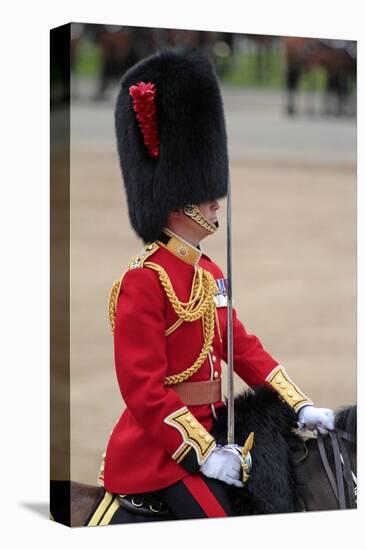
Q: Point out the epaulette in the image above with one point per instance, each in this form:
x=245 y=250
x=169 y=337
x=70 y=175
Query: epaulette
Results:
x=138 y=261
x=134 y=263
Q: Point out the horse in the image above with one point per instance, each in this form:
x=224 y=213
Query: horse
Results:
x=291 y=472
x=336 y=58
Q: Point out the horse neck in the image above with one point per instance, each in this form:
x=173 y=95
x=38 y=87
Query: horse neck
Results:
x=351 y=449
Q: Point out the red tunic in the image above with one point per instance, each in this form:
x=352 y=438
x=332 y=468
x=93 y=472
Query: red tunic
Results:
x=142 y=444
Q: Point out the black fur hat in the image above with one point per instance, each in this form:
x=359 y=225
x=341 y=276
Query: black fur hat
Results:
x=176 y=154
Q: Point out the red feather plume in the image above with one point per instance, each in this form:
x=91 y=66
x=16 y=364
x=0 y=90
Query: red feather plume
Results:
x=144 y=104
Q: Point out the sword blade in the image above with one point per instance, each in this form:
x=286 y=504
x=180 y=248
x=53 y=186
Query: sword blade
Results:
x=230 y=342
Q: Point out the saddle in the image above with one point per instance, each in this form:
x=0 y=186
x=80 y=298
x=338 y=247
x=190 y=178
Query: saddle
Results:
x=146 y=504
x=115 y=509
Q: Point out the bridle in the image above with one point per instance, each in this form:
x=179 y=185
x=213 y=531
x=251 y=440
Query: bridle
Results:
x=344 y=475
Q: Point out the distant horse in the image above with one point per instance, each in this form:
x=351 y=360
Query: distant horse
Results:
x=289 y=473
x=121 y=47
x=117 y=54
x=264 y=47
x=336 y=58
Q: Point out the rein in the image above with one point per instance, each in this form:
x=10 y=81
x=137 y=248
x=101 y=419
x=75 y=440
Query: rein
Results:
x=343 y=471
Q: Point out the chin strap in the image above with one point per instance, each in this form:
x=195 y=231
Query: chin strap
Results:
x=192 y=211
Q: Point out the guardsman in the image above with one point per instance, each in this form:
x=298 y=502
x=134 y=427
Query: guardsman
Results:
x=168 y=311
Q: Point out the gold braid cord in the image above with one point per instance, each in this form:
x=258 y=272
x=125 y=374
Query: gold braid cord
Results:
x=201 y=305
x=192 y=211
x=179 y=321
x=112 y=302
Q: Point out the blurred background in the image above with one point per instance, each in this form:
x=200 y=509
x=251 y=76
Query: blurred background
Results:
x=290 y=107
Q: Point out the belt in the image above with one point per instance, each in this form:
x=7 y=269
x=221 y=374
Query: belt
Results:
x=199 y=393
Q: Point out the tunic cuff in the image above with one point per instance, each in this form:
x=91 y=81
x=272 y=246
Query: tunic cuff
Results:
x=197 y=442
x=285 y=387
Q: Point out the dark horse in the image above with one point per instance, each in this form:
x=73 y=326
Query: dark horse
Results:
x=289 y=473
x=338 y=61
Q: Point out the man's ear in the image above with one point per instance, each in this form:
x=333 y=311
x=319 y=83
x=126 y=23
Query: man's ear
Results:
x=176 y=213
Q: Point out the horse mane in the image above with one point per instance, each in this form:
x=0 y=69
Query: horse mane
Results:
x=346 y=420
x=273 y=486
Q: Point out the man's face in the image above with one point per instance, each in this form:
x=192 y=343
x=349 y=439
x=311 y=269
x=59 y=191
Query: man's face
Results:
x=183 y=225
x=209 y=211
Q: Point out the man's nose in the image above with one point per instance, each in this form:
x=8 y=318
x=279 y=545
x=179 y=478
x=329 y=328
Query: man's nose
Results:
x=215 y=205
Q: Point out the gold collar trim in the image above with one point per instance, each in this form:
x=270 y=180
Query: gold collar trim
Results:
x=181 y=248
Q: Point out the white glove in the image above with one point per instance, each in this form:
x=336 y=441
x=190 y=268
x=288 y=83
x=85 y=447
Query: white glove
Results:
x=315 y=418
x=224 y=463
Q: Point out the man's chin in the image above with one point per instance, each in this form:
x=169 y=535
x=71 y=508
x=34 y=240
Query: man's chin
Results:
x=215 y=224
x=208 y=232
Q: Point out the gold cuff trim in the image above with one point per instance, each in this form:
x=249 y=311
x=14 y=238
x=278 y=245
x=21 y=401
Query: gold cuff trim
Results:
x=282 y=383
x=194 y=435
x=181 y=452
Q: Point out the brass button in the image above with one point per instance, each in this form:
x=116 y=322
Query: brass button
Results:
x=216 y=374
x=214 y=358
x=207 y=438
x=211 y=349
x=150 y=247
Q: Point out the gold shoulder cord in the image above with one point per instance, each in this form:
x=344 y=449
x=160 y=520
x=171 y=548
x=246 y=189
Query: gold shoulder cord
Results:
x=134 y=263
x=201 y=305
x=112 y=302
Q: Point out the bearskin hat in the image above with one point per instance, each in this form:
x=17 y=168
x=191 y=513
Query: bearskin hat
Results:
x=171 y=137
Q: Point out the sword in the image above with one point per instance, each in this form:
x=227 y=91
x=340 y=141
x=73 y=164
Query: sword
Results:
x=230 y=342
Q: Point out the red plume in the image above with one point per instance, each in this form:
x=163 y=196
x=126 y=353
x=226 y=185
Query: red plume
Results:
x=144 y=105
